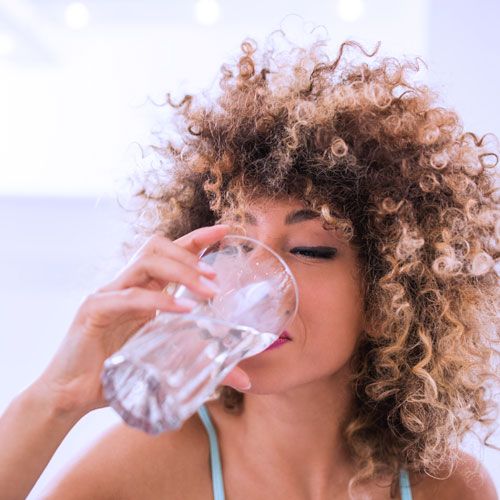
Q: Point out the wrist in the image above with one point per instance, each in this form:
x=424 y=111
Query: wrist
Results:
x=44 y=402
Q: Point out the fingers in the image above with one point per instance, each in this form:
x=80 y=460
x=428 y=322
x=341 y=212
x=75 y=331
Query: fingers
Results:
x=101 y=308
x=199 y=239
x=163 y=270
x=158 y=244
x=181 y=264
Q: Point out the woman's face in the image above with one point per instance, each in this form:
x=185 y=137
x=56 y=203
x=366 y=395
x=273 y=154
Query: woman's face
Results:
x=330 y=314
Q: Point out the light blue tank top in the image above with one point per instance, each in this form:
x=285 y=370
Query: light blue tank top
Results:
x=218 y=483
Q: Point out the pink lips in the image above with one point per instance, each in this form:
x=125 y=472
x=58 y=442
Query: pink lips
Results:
x=283 y=339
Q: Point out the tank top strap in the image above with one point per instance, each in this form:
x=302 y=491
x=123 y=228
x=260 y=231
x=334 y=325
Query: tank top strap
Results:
x=215 y=464
x=404 y=485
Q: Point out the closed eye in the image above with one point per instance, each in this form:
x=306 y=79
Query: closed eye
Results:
x=316 y=252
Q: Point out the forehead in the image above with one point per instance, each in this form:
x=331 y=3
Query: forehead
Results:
x=291 y=213
x=288 y=211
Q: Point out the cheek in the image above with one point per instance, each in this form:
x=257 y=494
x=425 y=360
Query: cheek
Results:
x=331 y=312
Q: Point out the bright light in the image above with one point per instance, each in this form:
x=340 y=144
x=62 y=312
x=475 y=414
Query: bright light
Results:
x=350 y=10
x=7 y=44
x=77 y=15
x=207 y=11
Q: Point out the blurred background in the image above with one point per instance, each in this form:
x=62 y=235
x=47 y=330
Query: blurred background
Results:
x=78 y=87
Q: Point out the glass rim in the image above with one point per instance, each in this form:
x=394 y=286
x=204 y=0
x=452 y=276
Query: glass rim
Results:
x=275 y=254
x=214 y=319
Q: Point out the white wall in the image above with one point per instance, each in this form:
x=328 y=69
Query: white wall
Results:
x=54 y=252
x=69 y=115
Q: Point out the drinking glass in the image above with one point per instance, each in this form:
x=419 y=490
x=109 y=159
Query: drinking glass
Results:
x=172 y=365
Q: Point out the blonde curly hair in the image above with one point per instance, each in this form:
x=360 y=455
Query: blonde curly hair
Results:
x=414 y=192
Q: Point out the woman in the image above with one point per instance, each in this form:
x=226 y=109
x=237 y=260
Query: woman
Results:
x=386 y=212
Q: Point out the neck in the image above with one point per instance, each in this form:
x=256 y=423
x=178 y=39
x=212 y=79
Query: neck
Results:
x=294 y=437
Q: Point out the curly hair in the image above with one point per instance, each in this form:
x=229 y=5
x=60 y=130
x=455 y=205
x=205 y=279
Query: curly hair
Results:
x=381 y=161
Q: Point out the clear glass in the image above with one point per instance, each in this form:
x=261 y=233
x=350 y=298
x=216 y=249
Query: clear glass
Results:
x=173 y=364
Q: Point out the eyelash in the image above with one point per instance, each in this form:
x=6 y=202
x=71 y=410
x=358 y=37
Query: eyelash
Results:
x=316 y=252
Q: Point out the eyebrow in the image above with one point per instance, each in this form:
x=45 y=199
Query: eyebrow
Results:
x=291 y=218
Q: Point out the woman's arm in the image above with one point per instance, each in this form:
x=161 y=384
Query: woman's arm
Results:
x=38 y=419
x=31 y=429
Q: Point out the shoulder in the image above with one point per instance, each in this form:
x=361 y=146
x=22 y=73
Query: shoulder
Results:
x=128 y=463
x=469 y=481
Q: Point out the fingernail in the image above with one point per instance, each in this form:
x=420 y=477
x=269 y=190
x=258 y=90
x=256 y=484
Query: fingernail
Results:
x=185 y=302
x=242 y=381
x=206 y=268
x=246 y=387
x=209 y=284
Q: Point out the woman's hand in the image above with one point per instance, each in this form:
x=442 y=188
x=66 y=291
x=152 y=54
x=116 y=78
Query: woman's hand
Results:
x=108 y=317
